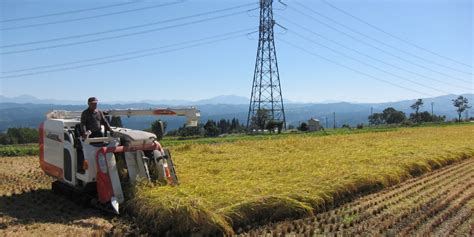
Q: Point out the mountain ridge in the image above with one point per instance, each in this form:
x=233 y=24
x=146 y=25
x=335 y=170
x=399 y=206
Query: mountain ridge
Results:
x=31 y=115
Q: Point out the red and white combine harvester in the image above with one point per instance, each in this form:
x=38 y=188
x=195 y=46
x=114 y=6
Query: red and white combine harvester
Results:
x=98 y=170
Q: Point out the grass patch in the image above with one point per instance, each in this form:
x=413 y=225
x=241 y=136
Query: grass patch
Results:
x=19 y=150
x=246 y=182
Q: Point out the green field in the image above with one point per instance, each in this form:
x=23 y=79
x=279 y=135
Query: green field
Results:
x=19 y=150
x=256 y=179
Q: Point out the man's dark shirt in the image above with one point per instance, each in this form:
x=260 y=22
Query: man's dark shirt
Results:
x=93 y=119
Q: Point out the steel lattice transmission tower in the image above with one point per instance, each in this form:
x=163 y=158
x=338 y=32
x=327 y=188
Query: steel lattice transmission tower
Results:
x=266 y=97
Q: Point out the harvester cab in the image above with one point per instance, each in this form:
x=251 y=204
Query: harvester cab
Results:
x=99 y=170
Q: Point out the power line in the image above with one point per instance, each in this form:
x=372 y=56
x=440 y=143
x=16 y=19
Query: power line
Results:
x=123 y=59
x=378 y=48
x=368 y=65
x=379 y=41
x=127 y=53
x=352 y=69
x=368 y=56
x=122 y=35
x=127 y=28
x=92 y=17
x=69 y=12
x=394 y=36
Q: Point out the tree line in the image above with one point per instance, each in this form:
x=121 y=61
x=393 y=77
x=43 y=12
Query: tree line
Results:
x=225 y=126
x=393 y=116
x=210 y=129
x=19 y=136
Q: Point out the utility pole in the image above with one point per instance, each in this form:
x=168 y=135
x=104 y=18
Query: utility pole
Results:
x=334 y=115
x=371 y=110
x=327 y=124
x=266 y=98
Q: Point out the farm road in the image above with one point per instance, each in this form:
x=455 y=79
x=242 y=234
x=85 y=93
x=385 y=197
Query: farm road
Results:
x=440 y=203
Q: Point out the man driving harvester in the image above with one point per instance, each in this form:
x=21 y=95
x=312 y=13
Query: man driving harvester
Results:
x=92 y=119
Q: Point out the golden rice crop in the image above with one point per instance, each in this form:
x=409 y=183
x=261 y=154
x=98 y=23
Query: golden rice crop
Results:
x=232 y=185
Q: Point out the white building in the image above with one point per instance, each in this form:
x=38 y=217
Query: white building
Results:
x=313 y=125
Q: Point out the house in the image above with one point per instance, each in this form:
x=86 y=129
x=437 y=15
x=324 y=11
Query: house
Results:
x=313 y=125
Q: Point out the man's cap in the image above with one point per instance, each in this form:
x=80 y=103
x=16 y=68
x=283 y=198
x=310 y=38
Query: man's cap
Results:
x=92 y=100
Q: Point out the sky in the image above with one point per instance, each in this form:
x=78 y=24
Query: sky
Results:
x=415 y=49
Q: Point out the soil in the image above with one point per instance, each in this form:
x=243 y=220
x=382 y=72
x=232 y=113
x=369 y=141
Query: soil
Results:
x=28 y=207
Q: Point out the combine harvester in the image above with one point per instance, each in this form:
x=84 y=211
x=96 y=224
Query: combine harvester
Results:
x=97 y=170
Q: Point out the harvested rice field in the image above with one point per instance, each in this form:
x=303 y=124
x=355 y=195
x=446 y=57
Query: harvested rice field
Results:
x=439 y=203
x=28 y=207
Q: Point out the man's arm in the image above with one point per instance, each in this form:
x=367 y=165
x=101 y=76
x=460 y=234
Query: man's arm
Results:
x=83 y=125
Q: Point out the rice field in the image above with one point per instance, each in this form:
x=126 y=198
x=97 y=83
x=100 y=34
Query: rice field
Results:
x=239 y=185
x=439 y=203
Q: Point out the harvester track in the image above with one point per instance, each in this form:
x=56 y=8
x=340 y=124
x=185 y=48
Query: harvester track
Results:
x=439 y=203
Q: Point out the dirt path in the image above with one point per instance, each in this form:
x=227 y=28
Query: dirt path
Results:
x=28 y=207
x=440 y=203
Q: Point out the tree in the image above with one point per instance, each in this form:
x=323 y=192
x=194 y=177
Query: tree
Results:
x=261 y=118
x=224 y=126
x=391 y=116
x=19 y=136
x=211 y=129
x=191 y=131
x=461 y=104
x=303 y=127
x=116 y=121
x=158 y=128
x=274 y=124
x=235 y=126
x=416 y=106
x=425 y=117
x=376 y=119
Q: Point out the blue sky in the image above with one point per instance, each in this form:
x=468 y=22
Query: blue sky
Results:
x=226 y=67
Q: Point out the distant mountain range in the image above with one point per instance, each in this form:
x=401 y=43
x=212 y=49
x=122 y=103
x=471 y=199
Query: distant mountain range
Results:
x=223 y=99
x=28 y=111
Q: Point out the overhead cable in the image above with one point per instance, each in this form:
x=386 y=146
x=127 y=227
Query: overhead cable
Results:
x=393 y=35
x=122 y=59
x=126 y=28
x=380 y=41
x=69 y=12
x=91 y=17
x=126 y=53
x=378 y=48
x=352 y=69
x=122 y=35
x=369 y=56
x=369 y=65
